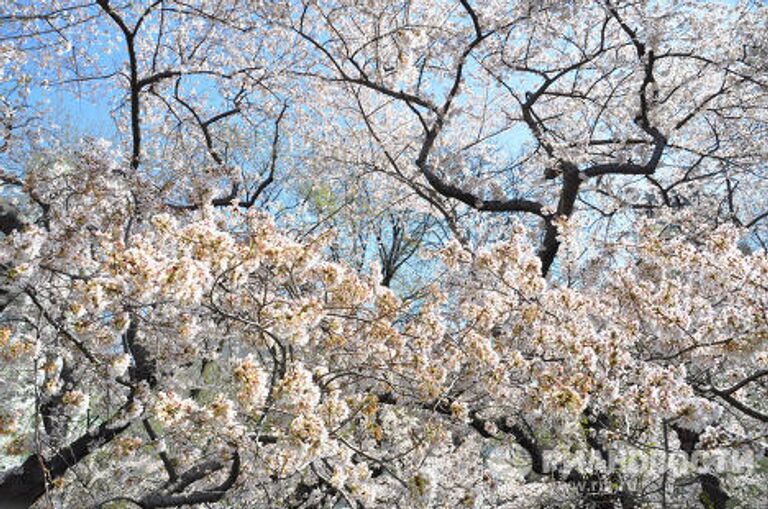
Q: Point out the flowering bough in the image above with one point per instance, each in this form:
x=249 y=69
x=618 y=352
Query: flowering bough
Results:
x=165 y=342
x=209 y=348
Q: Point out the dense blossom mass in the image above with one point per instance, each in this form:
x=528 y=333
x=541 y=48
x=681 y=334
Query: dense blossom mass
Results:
x=383 y=253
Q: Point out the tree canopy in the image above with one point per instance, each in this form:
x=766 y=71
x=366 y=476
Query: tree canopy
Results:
x=383 y=253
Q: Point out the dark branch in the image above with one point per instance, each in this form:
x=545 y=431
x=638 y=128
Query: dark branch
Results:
x=26 y=483
x=208 y=496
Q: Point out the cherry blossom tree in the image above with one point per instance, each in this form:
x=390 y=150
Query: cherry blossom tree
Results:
x=384 y=254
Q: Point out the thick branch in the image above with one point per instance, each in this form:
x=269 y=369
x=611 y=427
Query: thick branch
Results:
x=26 y=483
x=135 y=87
x=208 y=496
x=568 y=194
x=477 y=203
